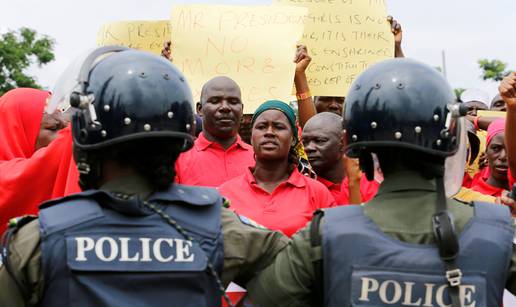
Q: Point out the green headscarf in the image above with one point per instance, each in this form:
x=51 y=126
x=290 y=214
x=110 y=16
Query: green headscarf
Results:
x=280 y=106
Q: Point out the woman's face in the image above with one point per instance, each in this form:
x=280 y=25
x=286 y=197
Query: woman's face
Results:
x=50 y=125
x=497 y=157
x=272 y=136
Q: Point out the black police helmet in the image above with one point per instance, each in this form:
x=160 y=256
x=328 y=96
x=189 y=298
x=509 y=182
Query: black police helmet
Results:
x=401 y=103
x=132 y=95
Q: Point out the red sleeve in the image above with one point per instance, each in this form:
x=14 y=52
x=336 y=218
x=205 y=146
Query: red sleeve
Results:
x=511 y=180
x=25 y=183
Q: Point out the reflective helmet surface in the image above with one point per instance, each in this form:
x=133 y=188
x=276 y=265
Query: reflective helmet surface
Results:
x=130 y=95
x=401 y=103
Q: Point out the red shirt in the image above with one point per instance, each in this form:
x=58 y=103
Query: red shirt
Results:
x=340 y=192
x=483 y=187
x=288 y=208
x=208 y=164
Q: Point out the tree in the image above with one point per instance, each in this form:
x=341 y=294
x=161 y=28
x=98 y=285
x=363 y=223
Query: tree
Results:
x=458 y=92
x=18 y=50
x=493 y=69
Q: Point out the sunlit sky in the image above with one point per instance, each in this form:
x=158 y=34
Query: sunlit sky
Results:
x=466 y=30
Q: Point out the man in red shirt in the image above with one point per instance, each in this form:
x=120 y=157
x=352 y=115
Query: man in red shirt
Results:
x=218 y=154
x=322 y=140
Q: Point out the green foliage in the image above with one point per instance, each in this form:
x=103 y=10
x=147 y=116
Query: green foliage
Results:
x=18 y=50
x=458 y=91
x=493 y=69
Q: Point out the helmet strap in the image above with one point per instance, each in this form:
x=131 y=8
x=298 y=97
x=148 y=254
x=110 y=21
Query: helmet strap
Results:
x=447 y=242
x=366 y=163
x=90 y=170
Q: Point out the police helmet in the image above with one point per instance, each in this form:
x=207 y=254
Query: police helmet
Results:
x=121 y=95
x=402 y=103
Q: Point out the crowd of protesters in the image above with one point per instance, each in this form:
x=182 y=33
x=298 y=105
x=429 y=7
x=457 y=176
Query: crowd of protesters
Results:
x=275 y=167
x=261 y=162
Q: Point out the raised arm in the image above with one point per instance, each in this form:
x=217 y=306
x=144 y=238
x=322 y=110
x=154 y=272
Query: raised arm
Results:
x=508 y=93
x=305 y=103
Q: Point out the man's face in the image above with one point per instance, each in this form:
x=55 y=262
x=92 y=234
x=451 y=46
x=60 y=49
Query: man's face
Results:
x=329 y=104
x=222 y=109
x=322 y=146
x=497 y=157
x=474 y=106
x=499 y=105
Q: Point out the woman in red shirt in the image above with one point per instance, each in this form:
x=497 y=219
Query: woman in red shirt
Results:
x=495 y=181
x=273 y=192
x=35 y=157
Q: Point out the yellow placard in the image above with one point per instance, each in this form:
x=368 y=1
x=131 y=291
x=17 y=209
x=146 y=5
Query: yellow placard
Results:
x=253 y=45
x=487 y=113
x=343 y=37
x=142 y=35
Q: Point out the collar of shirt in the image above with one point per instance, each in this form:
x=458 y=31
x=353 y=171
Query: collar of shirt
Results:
x=483 y=187
x=330 y=185
x=202 y=143
x=295 y=179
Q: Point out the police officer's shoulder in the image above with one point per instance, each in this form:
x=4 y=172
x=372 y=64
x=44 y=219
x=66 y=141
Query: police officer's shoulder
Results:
x=249 y=222
x=463 y=202
x=190 y=194
x=89 y=194
x=16 y=223
x=230 y=217
x=21 y=237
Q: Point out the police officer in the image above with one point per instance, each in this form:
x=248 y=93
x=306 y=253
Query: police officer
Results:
x=410 y=245
x=132 y=238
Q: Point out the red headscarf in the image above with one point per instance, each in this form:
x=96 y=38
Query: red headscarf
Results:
x=29 y=177
x=496 y=127
x=21 y=112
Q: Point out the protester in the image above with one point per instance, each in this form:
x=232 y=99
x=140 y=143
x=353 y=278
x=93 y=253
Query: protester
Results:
x=475 y=99
x=157 y=243
x=496 y=180
x=219 y=154
x=329 y=104
x=323 y=142
x=497 y=104
x=34 y=154
x=273 y=192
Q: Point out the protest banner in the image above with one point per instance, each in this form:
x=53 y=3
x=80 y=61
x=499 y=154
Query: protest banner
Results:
x=488 y=113
x=142 y=35
x=343 y=37
x=253 y=45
